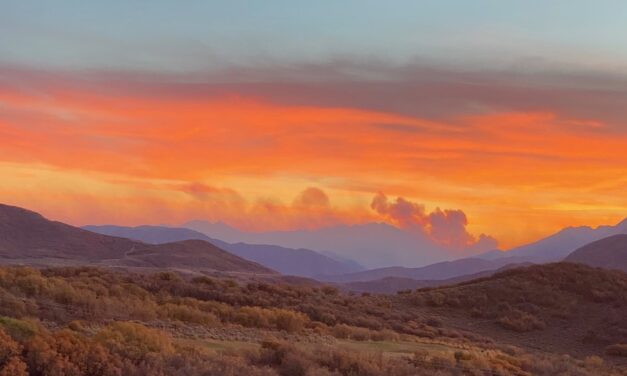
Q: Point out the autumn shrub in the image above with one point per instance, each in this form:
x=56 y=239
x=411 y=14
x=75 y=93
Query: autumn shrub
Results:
x=14 y=367
x=134 y=341
x=289 y=321
x=619 y=349
x=19 y=329
x=520 y=321
x=8 y=348
x=186 y=313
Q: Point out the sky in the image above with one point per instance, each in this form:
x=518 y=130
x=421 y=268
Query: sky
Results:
x=472 y=122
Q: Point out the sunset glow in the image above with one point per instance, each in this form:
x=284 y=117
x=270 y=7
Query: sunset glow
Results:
x=521 y=155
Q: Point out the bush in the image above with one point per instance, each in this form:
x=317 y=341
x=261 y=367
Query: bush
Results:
x=617 y=350
x=520 y=321
x=134 y=341
x=18 y=329
x=289 y=321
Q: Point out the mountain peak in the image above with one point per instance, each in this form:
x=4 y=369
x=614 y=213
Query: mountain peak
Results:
x=622 y=225
x=9 y=212
x=29 y=237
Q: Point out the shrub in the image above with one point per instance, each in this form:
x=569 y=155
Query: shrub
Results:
x=18 y=329
x=289 y=321
x=520 y=321
x=619 y=349
x=134 y=341
x=186 y=313
x=14 y=367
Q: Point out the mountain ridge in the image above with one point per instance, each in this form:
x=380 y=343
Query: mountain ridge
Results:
x=438 y=271
x=28 y=237
x=299 y=262
x=609 y=253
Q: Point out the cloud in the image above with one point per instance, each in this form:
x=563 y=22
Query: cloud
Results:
x=312 y=197
x=404 y=213
x=445 y=227
x=205 y=192
x=458 y=133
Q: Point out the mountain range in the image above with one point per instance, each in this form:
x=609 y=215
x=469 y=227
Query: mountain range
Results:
x=289 y=261
x=28 y=238
x=559 y=245
x=391 y=285
x=372 y=245
x=438 y=271
x=388 y=242
x=380 y=245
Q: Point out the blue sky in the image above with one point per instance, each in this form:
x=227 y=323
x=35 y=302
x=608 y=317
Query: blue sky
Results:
x=202 y=35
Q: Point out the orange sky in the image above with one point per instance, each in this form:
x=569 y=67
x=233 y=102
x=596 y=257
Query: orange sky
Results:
x=92 y=156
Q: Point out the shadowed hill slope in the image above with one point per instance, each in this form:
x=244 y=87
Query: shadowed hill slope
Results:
x=561 y=307
x=27 y=237
x=610 y=253
x=392 y=285
x=24 y=233
x=438 y=271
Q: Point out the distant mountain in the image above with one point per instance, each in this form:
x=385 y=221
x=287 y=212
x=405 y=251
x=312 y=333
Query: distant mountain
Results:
x=372 y=245
x=187 y=254
x=391 y=285
x=298 y=262
x=438 y=271
x=150 y=234
x=559 y=245
x=28 y=238
x=609 y=253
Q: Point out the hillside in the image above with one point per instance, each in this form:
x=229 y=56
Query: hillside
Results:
x=189 y=254
x=26 y=234
x=610 y=253
x=94 y=321
x=438 y=271
x=27 y=237
x=560 y=307
x=392 y=285
x=289 y=261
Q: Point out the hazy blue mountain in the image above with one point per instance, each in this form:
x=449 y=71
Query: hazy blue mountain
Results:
x=559 y=245
x=391 y=285
x=298 y=262
x=371 y=245
x=150 y=234
x=437 y=271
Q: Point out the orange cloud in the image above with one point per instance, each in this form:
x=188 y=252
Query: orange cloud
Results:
x=444 y=227
x=517 y=175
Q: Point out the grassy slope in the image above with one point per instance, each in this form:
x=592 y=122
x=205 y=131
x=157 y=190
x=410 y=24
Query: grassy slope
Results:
x=253 y=328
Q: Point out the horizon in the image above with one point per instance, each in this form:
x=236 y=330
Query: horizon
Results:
x=189 y=225
x=329 y=188
x=475 y=126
